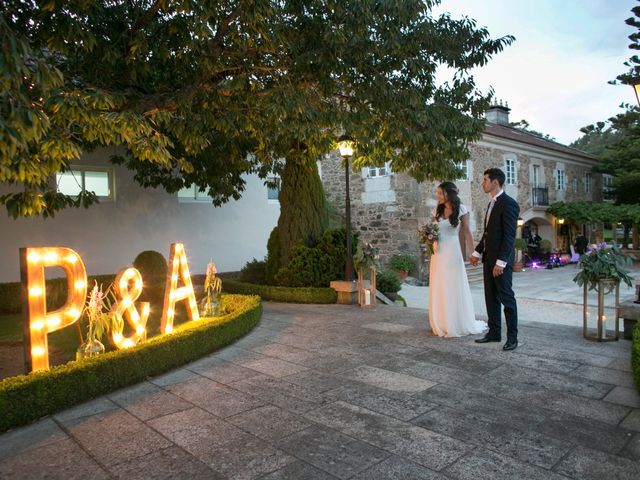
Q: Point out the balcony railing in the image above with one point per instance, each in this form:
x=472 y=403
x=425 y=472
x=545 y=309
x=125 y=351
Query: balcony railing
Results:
x=539 y=196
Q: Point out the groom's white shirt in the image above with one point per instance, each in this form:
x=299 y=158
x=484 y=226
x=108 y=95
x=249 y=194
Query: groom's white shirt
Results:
x=500 y=263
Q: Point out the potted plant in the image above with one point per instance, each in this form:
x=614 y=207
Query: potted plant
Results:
x=603 y=267
x=520 y=245
x=401 y=265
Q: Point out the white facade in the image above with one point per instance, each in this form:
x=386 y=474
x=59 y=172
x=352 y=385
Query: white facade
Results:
x=108 y=236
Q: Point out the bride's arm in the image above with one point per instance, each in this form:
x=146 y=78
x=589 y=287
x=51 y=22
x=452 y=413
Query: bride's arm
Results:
x=465 y=232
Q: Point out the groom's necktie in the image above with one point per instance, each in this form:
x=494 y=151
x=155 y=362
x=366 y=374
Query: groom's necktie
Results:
x=489 y=208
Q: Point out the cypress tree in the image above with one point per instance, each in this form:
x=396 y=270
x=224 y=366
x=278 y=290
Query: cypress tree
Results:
x=303 y=207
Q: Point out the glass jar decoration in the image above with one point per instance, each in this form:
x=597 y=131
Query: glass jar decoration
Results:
x=601 y=306
x=92 y=346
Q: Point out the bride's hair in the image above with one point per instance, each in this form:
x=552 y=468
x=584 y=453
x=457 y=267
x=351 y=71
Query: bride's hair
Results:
x=451 y=194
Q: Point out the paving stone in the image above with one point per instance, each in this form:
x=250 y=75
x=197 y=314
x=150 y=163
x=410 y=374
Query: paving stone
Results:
x=632 y=421
x=624 y=396
x=146 y=401
x=585 y=432
x=39 y=434
x=551 y=381
x=288 y=353
x=298 y=471
x=333 y=452
x=387 y=327
x=378 y=377
x=269 y=422
x=281 y=393
x=170 y=463
x=214 y=397
x=175 y=376
x=499 y=436
x=590 y=464
x=538 y=350
x=246 y=458
x=220 y=370
x=520 y=415
x=632 y=449
x=394 y=404
x=623 y=364
x=396 y=468
x=87 y=409
x=274 y=367
x=425 y=370
x=60 y=459
x=115 y=437
x=486 y=465
x=605 y=375
x=196 y=431
x=426 y=448
x=318 y=381
x=474 y=364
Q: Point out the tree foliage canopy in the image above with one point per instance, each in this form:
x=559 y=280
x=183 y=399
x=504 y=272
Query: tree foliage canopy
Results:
x=592 y=213
x=202 y=92
x=617 y=141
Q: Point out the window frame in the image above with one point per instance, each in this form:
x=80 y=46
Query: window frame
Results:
x=196 y=197
x=587 y=183
x=464 y=165
x=561 y=180
x=279 y=189
x=83 y=170
x=374 y=172
x=511 y=174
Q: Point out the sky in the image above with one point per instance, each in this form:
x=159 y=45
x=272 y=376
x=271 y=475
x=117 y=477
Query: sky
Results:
x=555 y=74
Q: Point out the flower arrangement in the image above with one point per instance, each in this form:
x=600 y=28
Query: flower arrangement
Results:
x=603 y=261
x=429 y=235
x=366 y=257
x=212 y=288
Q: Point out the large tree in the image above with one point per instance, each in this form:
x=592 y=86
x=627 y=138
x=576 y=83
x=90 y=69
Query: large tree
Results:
x=202 y=92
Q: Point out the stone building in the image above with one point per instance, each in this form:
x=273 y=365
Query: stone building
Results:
x=387 y=207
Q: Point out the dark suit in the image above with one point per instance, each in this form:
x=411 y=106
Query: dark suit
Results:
x=497 y=244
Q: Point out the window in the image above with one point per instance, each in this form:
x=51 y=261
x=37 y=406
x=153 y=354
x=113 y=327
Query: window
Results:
x=379 y=171
x=273 y=188
x=191 y=194
x=560 y=179
x=536 y=176
x=607 y=183
x=464 y=166
x=93 y=179
x=587 y=183
x=575 y=185
x=510 y=167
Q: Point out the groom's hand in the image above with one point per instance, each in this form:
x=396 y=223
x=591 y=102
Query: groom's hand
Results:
x=497 y=271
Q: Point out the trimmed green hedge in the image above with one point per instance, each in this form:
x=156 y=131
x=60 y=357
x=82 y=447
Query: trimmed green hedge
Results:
x=281 y=294
x=26 y=398
x=635 y=355
x=11 y=302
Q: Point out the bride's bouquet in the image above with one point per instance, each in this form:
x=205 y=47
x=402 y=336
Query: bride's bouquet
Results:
x=429 y=234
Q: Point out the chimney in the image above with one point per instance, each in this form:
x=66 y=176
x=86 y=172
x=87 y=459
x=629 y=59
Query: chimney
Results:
x=498 y=113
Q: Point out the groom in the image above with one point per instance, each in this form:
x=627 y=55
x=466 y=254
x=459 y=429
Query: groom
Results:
x=496 y=249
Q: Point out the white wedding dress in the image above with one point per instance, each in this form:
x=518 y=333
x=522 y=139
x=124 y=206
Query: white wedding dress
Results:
x=451 y=312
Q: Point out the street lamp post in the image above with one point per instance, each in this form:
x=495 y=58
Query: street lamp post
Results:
x=346 y=151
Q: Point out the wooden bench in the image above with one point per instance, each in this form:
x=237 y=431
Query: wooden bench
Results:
x=630 y=314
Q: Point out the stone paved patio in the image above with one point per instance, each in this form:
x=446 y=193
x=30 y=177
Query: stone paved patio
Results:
x=325 y=392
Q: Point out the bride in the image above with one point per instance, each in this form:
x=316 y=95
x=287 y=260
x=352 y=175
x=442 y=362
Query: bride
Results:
x=451 y=311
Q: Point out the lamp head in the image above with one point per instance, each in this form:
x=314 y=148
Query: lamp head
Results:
x=346 y=146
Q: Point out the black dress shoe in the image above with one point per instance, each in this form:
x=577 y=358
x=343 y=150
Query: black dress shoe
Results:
x=510 y=345
x=487 y=339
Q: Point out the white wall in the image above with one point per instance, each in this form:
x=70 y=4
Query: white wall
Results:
x=110 y=235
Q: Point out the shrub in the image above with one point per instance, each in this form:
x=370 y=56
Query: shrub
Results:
x=26 y=398
x=152 y=266
x=401 y=263
x=545 y=246
x=387 y=282
x=520 y=244
x=281 y=294
x=317 y=266
x=254 y=271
